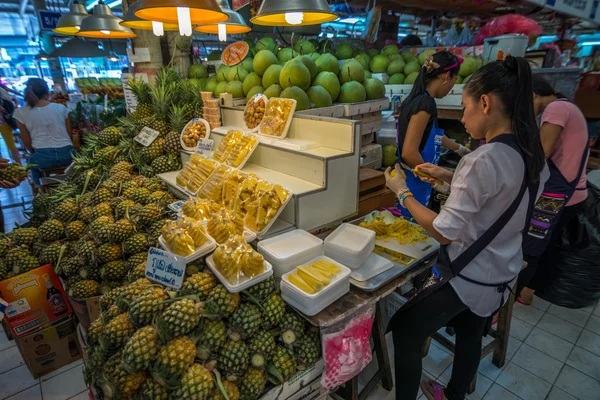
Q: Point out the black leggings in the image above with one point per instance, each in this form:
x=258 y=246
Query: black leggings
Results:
x=412 y=326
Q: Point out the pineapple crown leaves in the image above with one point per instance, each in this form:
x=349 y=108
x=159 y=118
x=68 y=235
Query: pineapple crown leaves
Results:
x=219 y=382
x=140 y=89
x=179 y=116
x=162 y=97
x=167 y=76
x=275 y=375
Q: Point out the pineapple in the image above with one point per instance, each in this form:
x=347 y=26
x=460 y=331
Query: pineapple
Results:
x=253 y=383
x=106 y=154
x=213 y=337
x=173 y=359
x=132 y=292
x=70 y=266
x=123 y=207
x=119 y=167
x=141 y=349
x=233 y=393
x=172 y=142
x=101 y=195
x=166 y=163
x=83 y=289
x=110 y=314
x=261 y=347
x=51 y=230
x=75 y=230
x=148 y=154
x=121 y=230
x=233 y=359
x=101 y=210
x=94 y=332
x=5 y=245
x=26 y=264
x=246 y=319
x=136 y=273
x=292 y=327
x=113 y=270
x=199 y=284
x=223 y=302
x=49 y=254
x=66 y=211
x=196 y=384
x=90 y=271
x=108 y=252
x=15 y=256
x=101 y=226
x=152 y=390
x=308 y=351
x=116 y=333
x=136 y=259
x=141 y=91
x=147 y=306
x=110 y=136
x=120 y=384
x=149 y=214
x=179 y=116
x=273 y=311
x=140 y=195
x=178 y=319
x=26 y=236
x=85 y=213
x=162 y=98
x=283 y=365
x=86 y=249
x=261 y=290
x=108 y=299
x=3 y=270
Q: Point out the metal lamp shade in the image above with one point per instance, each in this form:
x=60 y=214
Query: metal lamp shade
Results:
x=133 y=22
x=78 y=48
x=69 y=23
x=103 y=24
x=201 y=11
x=272 y=12
x=235 y=22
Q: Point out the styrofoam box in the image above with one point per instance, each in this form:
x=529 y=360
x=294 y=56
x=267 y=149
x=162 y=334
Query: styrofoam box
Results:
x=240 y=286
x=371 y=156
x=314 y=308
x=290 y=250
x=353 y=243
x=373 y=266
x=203 y=250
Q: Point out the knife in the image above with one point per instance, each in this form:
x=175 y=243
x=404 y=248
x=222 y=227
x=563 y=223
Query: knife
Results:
x=423 y=174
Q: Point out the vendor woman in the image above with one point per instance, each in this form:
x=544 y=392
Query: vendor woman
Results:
x=479 y=228
x=419 y=137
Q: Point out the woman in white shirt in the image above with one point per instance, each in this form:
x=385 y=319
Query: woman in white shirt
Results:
x=45 y=129
x=480 y=227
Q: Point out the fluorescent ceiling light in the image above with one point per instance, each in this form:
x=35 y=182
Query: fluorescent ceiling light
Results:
x=114 y=3
x=110 y=5
x=590 y=44
x=91 y=5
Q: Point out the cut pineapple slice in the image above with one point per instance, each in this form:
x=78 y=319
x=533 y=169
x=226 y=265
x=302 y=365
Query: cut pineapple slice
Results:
x=313 y=282
x=300 y=283
x=314 y=273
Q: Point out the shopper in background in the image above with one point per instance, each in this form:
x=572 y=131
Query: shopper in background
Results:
x=480 y=228
x=564 y=134
x=419 y=138
x=45 y=129
x=6 y=185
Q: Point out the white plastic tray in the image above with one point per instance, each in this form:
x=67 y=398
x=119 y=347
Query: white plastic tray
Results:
x=373 y=266
x=341 y=279
x=290 y=246
x=351 y=240
x=203 y=250
x=206 y=125
x=310 y=311
x=255 y=129
x=287 y=124
x=311 y=307
x=241 y=286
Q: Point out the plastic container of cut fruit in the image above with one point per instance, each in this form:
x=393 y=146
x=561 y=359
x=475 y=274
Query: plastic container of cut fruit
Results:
x=255 y=98
x=261 y=130
x=272 y=221
x=245 y=160
x=285 y=252
x=206 y=126
x=201 y=251
x=350 y=244
x=242 y=285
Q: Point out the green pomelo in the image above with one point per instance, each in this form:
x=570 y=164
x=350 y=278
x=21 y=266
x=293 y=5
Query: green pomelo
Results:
x=352 y=92
x=235 y=88
x=395 y=67
x=423 y=55
x=314 y=56
x=327 y=62
x=198 y=83
x=375 y=89
x=251 y=81
x=271 y=75
x=330 y=82
x=296 y=93
x=459 y=80
x=251 y=44
x=272 y=91
x=364 y=59
x=352 y=71
x=411 y=67
x=222 y=73
x=286 y=54
x=294 y=73
x=304 y=47
x=248 y=64
x=263 y=60
x=390 y=49
x=411 y=78
x=311 y=65
x=368 y=74
x=390 y=155
x=344 y=51
x=397 y=79
x=467 y=79
x=395 y=57
x=236 y=74
x=253 y=92
x=372 y=52
x=469 y=66
x=211 y=84
x=220 y=88
x=198 y=71
x=379 y=63
x=267 y=43
x=319 y=96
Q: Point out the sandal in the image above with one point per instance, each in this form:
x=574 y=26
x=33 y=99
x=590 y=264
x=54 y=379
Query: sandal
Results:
x=438 y=390
x=525 y=303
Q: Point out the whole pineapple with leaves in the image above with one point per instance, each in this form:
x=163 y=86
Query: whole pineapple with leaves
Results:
x=308 y=350
x=25 y=236
x=83 y=289
x=178 y=319
x=283 y=364
x=141 y=91
x=222 y=301
x=153 y=390
x=199 y=284
x=179 y=116
x=173 y=359
x=212 y=339
x=110 y=136
x=109 y=252
x=262 y=347
x=49 y=254
x=75 y=230
x=116 y=333
x=148 y=154
x=273 y=311
x=246 y=320
x=135 y=243
x=147 y=306
x=51 y=230
x=233 y=358
x=113 y=270
x=166 y=163
x=162 y=98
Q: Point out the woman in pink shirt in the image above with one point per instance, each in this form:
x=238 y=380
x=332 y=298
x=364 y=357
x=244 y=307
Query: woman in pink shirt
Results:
x=564 y=134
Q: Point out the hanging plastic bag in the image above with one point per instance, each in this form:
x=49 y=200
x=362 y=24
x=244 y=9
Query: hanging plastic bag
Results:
x=466 y=37
x=373 y=18
x=574 y=279
x=451 y=36
x=347 y=347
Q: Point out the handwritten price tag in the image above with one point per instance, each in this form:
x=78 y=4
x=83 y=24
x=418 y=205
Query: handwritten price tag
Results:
x=177 y=206
x=204 y=146
x=165 y=268
x=146 y=136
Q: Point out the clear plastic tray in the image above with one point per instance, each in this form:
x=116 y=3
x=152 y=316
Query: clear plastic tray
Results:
x=203 y=250
x=255 y=129
x=241 y=165
x=341 y=279
x=373 y=266
x=287 y=123
x=206 y=125
x=241 y=286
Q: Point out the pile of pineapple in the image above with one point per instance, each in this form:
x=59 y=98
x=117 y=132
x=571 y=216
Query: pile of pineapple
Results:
x=200 y=343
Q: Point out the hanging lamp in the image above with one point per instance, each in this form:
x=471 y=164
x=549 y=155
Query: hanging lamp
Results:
x=102 y=24
x=181 y=12
x=42 y=56
x=233 y=25
x=133 y=22
x=69 y=23
x=293 y=13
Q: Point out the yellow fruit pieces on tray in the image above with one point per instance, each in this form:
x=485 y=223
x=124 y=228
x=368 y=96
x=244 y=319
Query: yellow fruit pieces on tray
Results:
x=212 y=189
x=235 y=148
x=224 y=224
x=277 y=114
x=195 y=172
x=387 y=227
x=313 y=278
x=199 y=209
x=184 y=236
x=264 y=205
x=237 y=261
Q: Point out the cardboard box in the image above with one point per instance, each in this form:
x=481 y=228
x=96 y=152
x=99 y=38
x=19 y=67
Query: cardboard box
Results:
x=35 y=299
x=50 y=348
x=86 y=310
x=299 y=385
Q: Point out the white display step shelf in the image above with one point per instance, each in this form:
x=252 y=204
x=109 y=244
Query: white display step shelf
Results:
x=338 y=110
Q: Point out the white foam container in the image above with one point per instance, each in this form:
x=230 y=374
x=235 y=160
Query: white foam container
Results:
x=350 y=244
x=243 y=285
x=206 y=125
x=255 y=129
x=373 y=266
x=287 y=251
x=287 y=124
x=201 y=251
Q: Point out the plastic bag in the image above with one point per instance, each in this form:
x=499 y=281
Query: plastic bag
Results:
x=199 y=209
x=212 y=188
x=237 y=261
x=451 y=36
x=227 y=145
x=255 y=111
x=373 y=19
x=347 y=347
x=230 y=188
x=574 y=277
x=511 y=23
x=224 y=224
x=195 y=172
x=466 y=37
x=266 y=202
x=276 y=116
x=242 y=151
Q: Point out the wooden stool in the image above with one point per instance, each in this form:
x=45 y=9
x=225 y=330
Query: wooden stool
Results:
x=498 y=346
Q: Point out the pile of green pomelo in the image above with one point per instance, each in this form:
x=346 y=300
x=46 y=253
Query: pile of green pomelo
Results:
x=311 y=72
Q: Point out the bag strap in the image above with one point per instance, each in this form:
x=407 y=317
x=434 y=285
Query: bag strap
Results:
x=586 y=152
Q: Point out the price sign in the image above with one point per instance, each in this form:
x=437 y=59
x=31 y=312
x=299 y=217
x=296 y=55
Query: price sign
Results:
x=235 y=53
x=48 y=19
x=177 y=206
x=204 y=146
x=146 y=136
x=165 y=268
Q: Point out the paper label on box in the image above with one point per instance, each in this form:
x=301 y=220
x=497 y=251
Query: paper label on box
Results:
x=165 y=268
x=204 y=146
x=146 y=136
x=17 y=307
x=177 y=206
